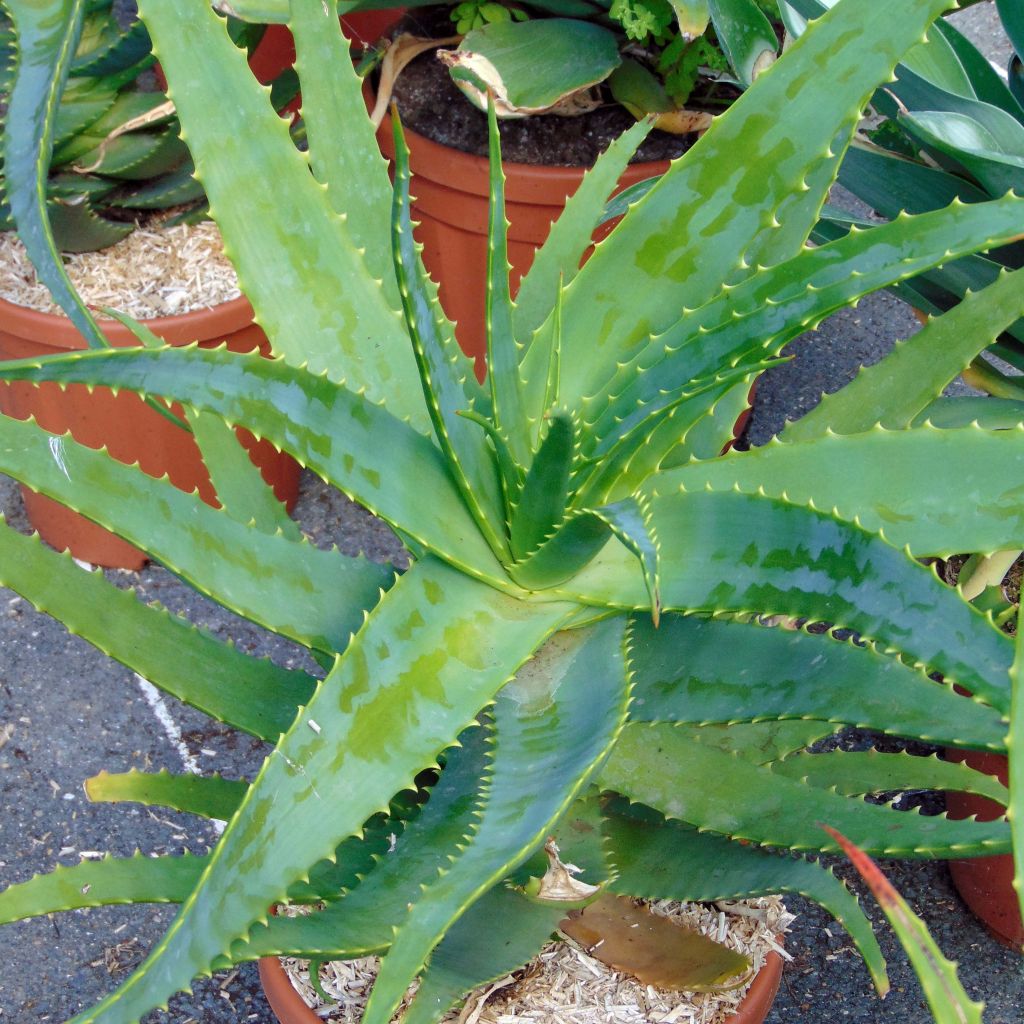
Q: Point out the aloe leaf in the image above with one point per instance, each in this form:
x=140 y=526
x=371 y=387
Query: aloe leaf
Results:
x=951 y=495
x=259 y=187
x=209 y=796
x=502 y=354
x=284 y=591
x=558 y=259
x=554 y=725
x=340 y=158
x=963 y=411
x=759 y=742
x=362 y=919
x=652 y=763
x=855 y=773
x=640 y=443
x=401 y=669
x=582 y=536
x=728 y=552
x=923 y=365
x=499 y=933
x=545 y=491
x=178 y=186
x=757 y=317
x=446 y=374
x=737 y=671
x=715 y=426
x=946 y=997
x=48 y=33
x=249 y=693
x=97 y=883
x=239 y=486
x=1016 y=768
x=746 y=35
x=327 y=427
x=658 y=859
x=686 y=244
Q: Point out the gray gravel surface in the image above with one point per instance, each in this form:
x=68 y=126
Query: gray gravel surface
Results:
x=71 y=713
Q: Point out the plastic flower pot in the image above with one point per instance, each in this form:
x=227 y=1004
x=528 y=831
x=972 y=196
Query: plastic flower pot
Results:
x=290 y=1008
x=986 y=883
x=450 y=200
x=450 y=197
x=129 y=429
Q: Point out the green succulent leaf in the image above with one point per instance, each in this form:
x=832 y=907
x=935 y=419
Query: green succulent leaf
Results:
x=951 y=494
x=757 y=317
x=946 y=997
x=499 y=933
x=344 y=313
x=760 y=742
x=48 y=34
x=963 y=411
x=558 y=259
x=659 y=859
x=735 y=671
x=327 y=427
x=202 y=545
x=922 y=365
x=446 y=374
x=687 y=243
x=209 y=796
x=532 y=65
x=443 y=669
x=97 y=883
x=77 y=227
x=545 y=491
x=554 y=725
x=362 y=919
x=251 y=694
x=112 y=48
x=342 y=158
x=651 y=764
x=854 y=773
x=746 y=35
x=791 y=560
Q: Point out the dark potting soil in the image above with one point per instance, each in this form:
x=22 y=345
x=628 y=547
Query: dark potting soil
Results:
x=431 y=104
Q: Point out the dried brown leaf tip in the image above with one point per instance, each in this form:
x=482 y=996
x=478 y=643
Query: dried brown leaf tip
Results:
x=628 y=937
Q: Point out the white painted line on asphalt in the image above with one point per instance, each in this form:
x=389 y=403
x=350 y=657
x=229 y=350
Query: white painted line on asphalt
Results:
x=172 y=732
x=170 y=727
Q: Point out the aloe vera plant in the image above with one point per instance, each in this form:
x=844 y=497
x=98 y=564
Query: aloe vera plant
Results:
x=579 y=648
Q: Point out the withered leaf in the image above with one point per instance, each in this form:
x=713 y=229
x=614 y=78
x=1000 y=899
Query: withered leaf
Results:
x=653 y=948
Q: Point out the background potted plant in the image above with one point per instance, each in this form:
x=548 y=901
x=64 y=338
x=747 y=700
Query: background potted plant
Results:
x=115 y=159
x=581 y=72
x=580 y=636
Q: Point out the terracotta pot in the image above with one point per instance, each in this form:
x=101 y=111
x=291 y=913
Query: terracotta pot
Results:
x=986 y=883
x=290 y=1008
x=131 y=431
x=276 y=50
x=450 y=196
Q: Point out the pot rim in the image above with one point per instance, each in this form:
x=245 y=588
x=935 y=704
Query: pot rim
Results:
x=57 y=331
x=290 y=1007
x=523 y=181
